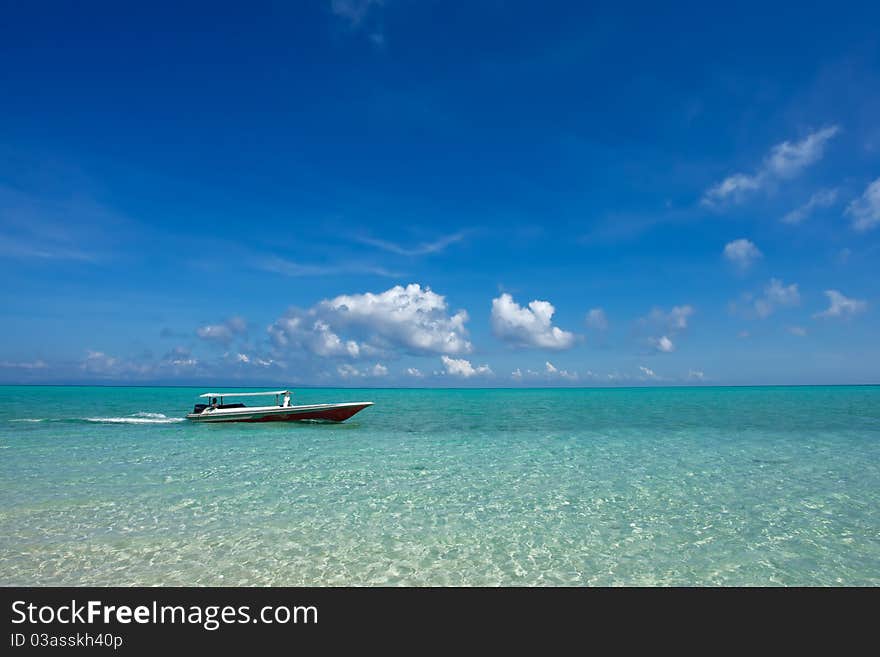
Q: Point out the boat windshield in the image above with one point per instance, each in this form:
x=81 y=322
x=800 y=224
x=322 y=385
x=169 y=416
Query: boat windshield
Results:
x=217 y=399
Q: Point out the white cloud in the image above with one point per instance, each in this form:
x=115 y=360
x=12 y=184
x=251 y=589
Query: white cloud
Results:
x=732 y=186
x=663 y=343
x=414 y=372
x=411 y=318
x=517 y=374
x=348 y=371
x=776 y=294
x=26 y=365
x=424 y=248
x=865 y=211
x=667 y=325
x=648 y=372
x=293 y=269
x=821 y=199
x=841 y=306
x=223 y=332
x=742 y=253
x=678 y=317
x=596 y=319
x=554 y=372
x=785 y=160
x=696 y=375
x=313 y=335
x=528 y=327
x=799 y=331
x=100 y=364
x=353 y=11
x=98 y=361
x=463 y=368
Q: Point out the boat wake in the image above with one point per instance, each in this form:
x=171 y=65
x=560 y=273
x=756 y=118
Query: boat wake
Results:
x=137 y=418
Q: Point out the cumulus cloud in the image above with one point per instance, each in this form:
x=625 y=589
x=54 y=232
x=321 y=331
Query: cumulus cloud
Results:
x=411 y=318
x=223 y=332
x=313 y=335
x=414 y=372
x=348 y=371
x=822 y=199
x=663 y=344
x=841 y=306
x=785 y=160
x=528 y=327
x=596 y=319
x=463 y=368
x=741 y=253
x=554 y=372
x=696 y=375
x=865 y=210
x=648 y=372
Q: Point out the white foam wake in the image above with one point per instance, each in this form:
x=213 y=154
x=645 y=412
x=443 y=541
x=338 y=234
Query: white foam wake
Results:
x=137 y=418
x=28 y=419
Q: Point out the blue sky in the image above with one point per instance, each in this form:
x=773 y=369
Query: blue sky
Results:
x=424 y=193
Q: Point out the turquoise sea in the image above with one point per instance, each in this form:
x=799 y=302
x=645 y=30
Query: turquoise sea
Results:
x=647 y=486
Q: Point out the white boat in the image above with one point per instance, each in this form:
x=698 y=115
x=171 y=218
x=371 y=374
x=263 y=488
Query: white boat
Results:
x=217 y=410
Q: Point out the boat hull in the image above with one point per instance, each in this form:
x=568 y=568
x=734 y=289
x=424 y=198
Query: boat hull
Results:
x=312 y=413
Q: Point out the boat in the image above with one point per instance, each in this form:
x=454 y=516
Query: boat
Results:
x=217 y=410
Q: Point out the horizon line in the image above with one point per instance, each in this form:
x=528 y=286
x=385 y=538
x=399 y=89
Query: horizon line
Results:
x=341 y=387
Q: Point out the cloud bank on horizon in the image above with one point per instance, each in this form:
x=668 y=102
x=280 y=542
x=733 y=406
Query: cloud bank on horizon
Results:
x=543 y=205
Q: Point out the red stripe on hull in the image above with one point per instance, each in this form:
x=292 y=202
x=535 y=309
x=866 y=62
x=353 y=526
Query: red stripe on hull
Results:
x=327 y=415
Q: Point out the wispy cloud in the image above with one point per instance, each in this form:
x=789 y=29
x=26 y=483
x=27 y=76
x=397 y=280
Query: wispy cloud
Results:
x=24 y=365
x=841 y=306
x=361 y=16
x=822 y=199
x=423 y=248
x=223 y=332
x=277 y=265
x=666 y=325
x=354 y=11
x=47 y=227
x=785 y=160
x=776 y=294
x=597 y=319
x=865 y=210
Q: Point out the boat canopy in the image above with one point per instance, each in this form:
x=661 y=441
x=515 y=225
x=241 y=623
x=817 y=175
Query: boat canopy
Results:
x=244 y=394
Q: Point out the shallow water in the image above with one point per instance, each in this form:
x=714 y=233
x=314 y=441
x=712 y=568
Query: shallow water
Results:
x=731 y=486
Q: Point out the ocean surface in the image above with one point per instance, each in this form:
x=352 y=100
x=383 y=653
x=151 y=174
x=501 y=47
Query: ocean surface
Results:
x=648 y=486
